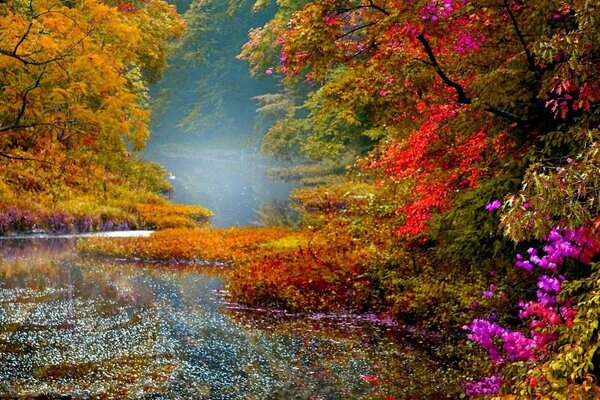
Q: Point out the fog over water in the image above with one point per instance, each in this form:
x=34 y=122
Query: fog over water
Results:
x=231 y=182
x=204 y=127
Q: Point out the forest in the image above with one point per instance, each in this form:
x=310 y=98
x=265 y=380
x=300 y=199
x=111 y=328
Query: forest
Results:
x=444 y=157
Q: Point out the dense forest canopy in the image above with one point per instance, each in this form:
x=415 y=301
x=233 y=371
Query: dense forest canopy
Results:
x=206 y=97
x=454 y=92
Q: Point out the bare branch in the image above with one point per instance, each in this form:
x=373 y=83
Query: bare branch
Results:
x=351 y=31
x=460 y=91
x=530 y=61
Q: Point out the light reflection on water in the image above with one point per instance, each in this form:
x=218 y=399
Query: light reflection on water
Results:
x=71 y=327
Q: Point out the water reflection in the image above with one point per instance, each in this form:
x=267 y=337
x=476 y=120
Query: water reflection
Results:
x=73 y=327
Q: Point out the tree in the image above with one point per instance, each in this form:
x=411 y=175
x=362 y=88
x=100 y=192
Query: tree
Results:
x=463 y=91
x=76 y=75
x=74 y=97
x=477 y=103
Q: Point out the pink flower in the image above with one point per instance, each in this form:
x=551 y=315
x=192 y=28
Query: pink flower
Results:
x=493 y=206
x=269 y=71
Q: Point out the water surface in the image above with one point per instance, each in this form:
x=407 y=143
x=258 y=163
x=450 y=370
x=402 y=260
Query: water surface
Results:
x=72 y=327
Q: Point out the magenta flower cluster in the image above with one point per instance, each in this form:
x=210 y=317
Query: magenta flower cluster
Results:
x=502 y=344
x=542 y=314
x=490 y=292
x=468 y=42
x=441 y=9
x=493 y=205
x=561 y=244
x=486 y=386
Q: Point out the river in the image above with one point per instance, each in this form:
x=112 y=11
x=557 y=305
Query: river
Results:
x=80 y=327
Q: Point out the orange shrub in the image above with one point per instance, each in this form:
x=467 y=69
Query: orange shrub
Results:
x=325 y=273
x=167 y=216
x=273 y=266
x=191 y=245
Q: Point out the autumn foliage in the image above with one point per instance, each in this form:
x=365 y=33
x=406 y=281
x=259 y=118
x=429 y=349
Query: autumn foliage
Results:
x=452 y=137
x=475 y=124
x=188 y=245
x=74 y=100
x=438 y=164
x=318 y=274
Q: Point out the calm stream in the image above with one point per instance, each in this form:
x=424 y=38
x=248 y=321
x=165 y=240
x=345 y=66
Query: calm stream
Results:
x=72 y=327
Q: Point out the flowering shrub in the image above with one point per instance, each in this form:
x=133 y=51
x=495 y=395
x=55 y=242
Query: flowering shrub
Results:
x=16 y=219
x=547 y=316
x=70 y=218
x=486 y=386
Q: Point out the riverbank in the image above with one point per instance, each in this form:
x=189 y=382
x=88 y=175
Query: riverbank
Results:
x=80 y=216
x=304 y=271
x=88 y=327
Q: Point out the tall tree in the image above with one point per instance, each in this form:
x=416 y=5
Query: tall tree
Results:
x=463 y=91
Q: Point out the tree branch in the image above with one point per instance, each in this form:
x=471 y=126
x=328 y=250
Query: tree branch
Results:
x=378 y=8
x=17 y=122
x=507 y=115
x=26 y=61
x=351 y=31
x=24 y=126
x=370 y=5
x=17 y=158
x=20 y=42
x=364 y=49
x=530 y=61
x=347 y=10
x=460 y=91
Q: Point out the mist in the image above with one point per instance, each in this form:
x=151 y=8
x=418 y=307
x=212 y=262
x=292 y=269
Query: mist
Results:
x=204 y=126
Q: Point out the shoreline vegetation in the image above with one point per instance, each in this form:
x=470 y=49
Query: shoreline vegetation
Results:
x=104 y=218
x=297 y=270
x=74 y=112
